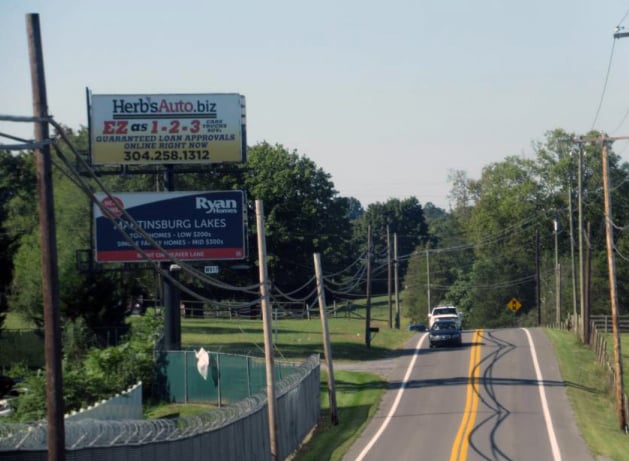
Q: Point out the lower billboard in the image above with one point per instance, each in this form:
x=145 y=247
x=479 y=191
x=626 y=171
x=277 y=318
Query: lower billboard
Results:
x=189 y=226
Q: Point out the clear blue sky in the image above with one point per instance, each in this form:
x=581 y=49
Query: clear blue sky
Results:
x=386 y=97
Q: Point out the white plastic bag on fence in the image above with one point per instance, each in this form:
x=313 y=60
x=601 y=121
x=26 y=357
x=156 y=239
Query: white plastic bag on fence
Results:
x=203 y=362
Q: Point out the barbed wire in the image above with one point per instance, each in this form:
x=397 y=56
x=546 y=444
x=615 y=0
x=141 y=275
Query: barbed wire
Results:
x=92 y=433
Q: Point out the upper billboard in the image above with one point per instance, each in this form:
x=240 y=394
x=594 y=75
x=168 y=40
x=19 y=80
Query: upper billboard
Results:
x=167 y=129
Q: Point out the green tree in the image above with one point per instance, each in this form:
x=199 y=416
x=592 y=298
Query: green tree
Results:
x=304 y=214
x=402 y=217
x=91 y=295
x=439 y=268
x=507 y=209
x=16 y=178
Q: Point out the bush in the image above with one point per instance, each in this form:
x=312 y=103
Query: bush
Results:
x=96 y=374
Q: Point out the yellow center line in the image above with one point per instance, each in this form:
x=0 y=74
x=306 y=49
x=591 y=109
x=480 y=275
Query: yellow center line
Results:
x=461 y=442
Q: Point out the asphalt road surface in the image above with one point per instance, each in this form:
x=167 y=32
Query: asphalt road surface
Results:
x=498 y=397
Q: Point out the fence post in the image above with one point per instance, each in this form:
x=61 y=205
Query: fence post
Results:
x=185 y=376
x=218 y=379
x=248 y=376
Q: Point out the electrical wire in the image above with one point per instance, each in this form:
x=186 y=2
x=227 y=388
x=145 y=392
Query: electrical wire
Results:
x=86 y=188
x=602 y=98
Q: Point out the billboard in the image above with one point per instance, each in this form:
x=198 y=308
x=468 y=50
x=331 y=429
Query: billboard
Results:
x=191 y=226
x=167 y=129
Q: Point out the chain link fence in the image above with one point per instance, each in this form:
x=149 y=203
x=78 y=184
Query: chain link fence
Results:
x=233 y=432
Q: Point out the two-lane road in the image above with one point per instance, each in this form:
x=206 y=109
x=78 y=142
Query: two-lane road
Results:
x=499 y=397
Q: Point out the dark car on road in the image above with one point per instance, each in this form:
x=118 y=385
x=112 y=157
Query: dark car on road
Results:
x=444 y=333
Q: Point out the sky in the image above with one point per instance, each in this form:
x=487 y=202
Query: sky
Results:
x=388 y=98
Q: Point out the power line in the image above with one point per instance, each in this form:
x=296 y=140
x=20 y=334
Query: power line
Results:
x=602 y=98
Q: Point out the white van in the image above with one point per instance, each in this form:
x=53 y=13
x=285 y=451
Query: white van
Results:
x=446 y=313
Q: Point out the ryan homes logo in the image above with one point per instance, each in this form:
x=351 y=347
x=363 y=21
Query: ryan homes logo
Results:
x=216 y=206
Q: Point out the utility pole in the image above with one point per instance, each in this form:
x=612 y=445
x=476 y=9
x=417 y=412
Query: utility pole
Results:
x=557 y=273
x=537 y=281
x=580 y=240
x=620 y=390
x=587 y=278
x=265 y=305
x=396 y=265
x=428 y=276
x=611 y=262
x=368 y=291
x=327 y=347
x=48 y=240
x=389 y=277
x=572 y=261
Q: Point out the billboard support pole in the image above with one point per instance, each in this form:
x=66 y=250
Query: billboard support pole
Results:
x=170 y=293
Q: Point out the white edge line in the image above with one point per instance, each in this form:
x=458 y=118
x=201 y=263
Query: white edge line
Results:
x=542 y=394
x=387 y=420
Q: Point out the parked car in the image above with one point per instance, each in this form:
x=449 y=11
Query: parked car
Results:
x=447 y=313
x=444 y=333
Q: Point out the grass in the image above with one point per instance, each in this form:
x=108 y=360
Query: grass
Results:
x=175 y=410
x=298 y=338
x=592 y=402
x=357 y=399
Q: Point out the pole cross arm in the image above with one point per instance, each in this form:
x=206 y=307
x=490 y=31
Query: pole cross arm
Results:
x=599 y=139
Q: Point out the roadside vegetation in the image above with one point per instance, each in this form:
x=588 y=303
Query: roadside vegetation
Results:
x=592 y=399
x=90 y=373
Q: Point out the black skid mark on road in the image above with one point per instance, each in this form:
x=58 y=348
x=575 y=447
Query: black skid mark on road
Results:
x=499 y=413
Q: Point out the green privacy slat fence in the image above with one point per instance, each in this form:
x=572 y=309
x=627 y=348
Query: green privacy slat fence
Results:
x=229 y=377
x=235 y=432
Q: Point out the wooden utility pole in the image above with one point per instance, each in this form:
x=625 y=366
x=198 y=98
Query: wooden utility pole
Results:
x=613 y=293
x=265 y=305
x=586 y=286
x=557 y=274
x=580 y=239
x=572 y=261
x=396 y=266
x=537 y=281
x=327 y=347
x=389 y=277
x=368 y=291
x=428 y=278
x=48 y=239
x=611 y=264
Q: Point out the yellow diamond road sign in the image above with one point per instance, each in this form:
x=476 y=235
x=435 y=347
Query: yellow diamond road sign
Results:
x=514 y=305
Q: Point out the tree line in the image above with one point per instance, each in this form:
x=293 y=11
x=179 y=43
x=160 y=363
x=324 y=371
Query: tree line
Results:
x=518 y=218
x=304 y=215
